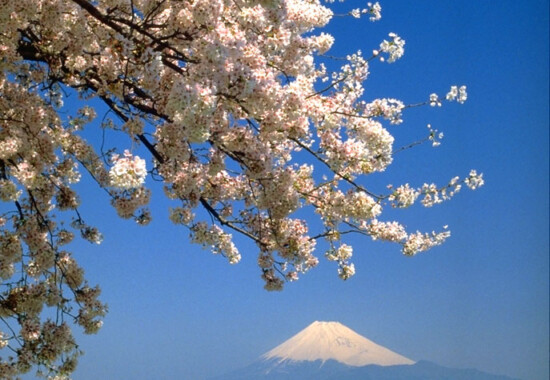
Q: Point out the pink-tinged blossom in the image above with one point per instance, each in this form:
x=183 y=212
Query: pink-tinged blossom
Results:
x=9 y=147
x=390 y=109
x=387 y=231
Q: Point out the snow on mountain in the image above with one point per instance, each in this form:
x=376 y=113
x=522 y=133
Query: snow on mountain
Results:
x=333 y=341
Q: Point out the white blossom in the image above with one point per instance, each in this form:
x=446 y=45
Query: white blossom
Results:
x=394 y=48
x=356 y=13
x=434 y=100
x=404 y=196
x=128 y=172
x=375 y=10
x=346 y=271
x=457 y=93
x=474 y=180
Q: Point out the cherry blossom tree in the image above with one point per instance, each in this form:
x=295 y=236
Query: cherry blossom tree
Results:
x=242 y=122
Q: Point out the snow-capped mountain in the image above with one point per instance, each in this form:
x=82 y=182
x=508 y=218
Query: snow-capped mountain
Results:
x=332 y=351
x=334 y=341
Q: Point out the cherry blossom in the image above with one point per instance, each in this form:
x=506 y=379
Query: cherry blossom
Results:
x=128 y=172
x=457 y=93
x=394 y=48
x=236 y=107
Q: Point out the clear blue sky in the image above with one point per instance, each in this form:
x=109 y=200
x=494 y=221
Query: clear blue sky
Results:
x=481 y=300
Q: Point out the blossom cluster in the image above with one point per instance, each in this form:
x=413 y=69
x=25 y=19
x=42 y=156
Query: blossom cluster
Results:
x=387 y=231
x=342 y=255
x=474 y=180
x=419 y=242
x=373 y=10
x=457 y=93
x=40 y=162
x=128 y=172
x=404 y=196
x=394 y=48
x=219 y=241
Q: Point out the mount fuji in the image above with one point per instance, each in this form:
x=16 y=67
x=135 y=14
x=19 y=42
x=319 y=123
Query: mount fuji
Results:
x=333 y=341
x=332 y=351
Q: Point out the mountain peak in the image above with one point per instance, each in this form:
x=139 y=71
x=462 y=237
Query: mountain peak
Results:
x=334 y=341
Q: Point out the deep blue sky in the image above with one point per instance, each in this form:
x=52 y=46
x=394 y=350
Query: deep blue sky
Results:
x=481 y=300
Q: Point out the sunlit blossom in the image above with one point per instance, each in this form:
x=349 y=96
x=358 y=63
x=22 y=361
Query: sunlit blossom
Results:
x=128 y=172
